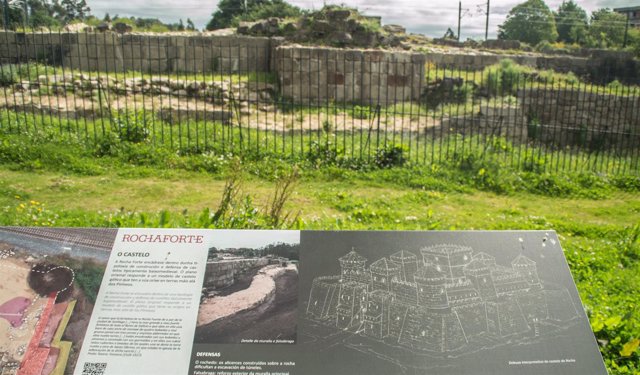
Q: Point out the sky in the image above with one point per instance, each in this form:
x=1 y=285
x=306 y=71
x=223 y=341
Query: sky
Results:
x=429 y=17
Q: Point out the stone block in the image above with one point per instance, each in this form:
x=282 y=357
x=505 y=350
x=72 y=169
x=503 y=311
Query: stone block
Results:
x=336 y=79
x=353 y=55
x=156 y=53
x=69 y=38
x=93 y=51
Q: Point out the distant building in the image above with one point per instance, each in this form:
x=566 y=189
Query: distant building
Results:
x=632 y=13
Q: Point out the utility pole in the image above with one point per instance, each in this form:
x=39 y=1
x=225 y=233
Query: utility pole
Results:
x=486 y=32
x=459 y=18
x=626 y=31
x=5 y=13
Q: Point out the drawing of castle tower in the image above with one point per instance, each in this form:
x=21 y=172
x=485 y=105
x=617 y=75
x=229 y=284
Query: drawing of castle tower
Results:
x=353 y=268
x=486 y=259
x=408 y=263
x=376 y=315
x=431 y=287
x=526 y=268
x=382 y=273
x=449 y=259
x=351 y=305
x=479 y=273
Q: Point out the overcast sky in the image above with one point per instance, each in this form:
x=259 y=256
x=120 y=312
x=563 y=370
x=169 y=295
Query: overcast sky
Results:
x=430 y=17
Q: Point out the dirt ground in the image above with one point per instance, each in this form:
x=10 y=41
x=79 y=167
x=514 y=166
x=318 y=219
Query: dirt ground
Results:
x=275 y=320
x=254 y=115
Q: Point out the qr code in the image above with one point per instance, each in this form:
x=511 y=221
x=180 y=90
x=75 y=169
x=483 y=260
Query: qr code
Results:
x=94 y=368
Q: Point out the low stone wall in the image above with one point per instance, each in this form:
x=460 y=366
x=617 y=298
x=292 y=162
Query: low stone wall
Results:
x=319 y=75
x=221 y=274
x=471 y=61
x=112 y=52
x=507 y=122
x=589 y=119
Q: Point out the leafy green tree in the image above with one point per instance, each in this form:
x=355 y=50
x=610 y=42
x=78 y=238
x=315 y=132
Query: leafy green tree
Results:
x=190 y=25
x=268 y=9
x=572 y=23
x=226 y=12
x=530 y=22
x=15 y=16
x=231 y=12
x=606 y=29
x=74 y=10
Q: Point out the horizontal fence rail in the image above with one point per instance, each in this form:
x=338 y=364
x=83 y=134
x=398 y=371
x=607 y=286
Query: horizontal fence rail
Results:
x=239 y=95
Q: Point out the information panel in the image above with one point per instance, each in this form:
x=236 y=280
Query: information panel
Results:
x=227 y=302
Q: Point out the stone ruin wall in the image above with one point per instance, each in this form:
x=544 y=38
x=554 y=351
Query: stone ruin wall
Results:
x=557 y=117
x=589 y=119
x=319 y=75
x=227 y=54
x=221 y=274
x=111 y=52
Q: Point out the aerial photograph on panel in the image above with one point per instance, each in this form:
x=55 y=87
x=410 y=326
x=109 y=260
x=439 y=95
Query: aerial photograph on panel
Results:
x=51 y=278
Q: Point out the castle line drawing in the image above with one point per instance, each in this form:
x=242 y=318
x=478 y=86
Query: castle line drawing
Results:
x=448 y=300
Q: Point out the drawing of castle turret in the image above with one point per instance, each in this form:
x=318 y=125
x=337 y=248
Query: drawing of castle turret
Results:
x=479 y=273
x=449 y=259
x=353 y=268
x=526 y=268
x=408 y=263
x=351 y=305
x=486 y=259
x=376 y=315
x=431 y=287
x=382 y=272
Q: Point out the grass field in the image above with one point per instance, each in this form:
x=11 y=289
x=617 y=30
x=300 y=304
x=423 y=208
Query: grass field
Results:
x=59 y=180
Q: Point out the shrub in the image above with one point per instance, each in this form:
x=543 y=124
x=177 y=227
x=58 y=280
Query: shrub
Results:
x=361 y=112
x=322 y=154
x=462 y=93
x=390 y=156
x=132 y=127
x=503 y=78
x=8 y=75
x=534 y=128
x=544 y=47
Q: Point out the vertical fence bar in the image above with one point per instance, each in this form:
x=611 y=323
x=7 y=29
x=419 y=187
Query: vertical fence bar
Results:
x=5 y=64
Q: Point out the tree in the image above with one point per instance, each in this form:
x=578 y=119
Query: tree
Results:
x=572 y=23
x=606 y=29
x=227 y=11
x=231 y=12
x=190 y=25
x=68 y=10
x=268 y=9
x=530 y=22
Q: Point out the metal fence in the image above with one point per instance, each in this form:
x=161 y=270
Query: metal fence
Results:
x=254 y=96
